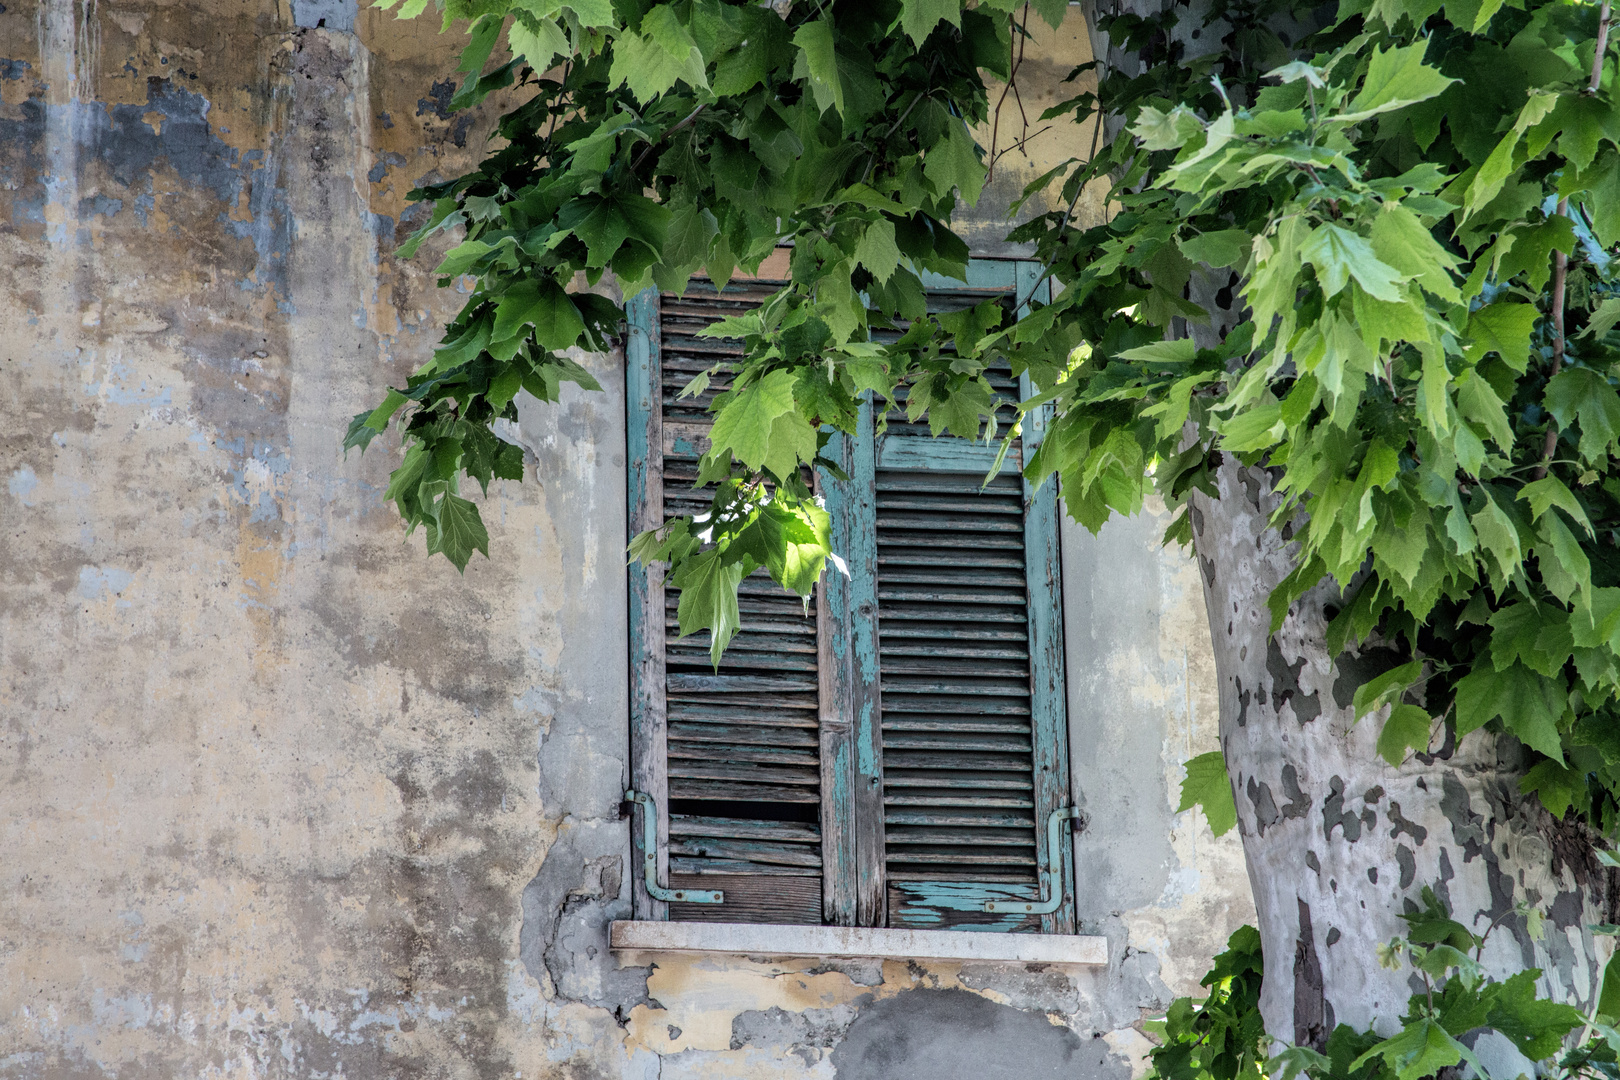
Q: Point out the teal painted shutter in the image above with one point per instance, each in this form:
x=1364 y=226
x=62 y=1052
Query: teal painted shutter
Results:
x=964 y=651
x=736 y=754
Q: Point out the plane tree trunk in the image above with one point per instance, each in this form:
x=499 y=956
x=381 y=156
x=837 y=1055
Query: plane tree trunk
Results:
x=1335 y=839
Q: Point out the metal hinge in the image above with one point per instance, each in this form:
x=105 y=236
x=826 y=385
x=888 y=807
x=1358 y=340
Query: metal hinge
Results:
x=649 y=858
x=1055 y=872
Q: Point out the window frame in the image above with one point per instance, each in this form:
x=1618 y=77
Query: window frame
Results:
x=854 y=883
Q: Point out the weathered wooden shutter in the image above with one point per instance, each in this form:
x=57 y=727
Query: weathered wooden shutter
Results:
x=955 y=606
x=732 y=759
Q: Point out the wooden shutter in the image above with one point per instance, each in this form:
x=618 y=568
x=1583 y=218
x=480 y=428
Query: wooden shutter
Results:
x=732 y=759
x=957 y=622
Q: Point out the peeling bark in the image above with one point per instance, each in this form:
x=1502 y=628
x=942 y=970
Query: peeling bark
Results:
x=1336 y=840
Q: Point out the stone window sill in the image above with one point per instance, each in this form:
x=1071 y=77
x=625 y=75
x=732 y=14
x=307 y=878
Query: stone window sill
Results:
x=753 y=939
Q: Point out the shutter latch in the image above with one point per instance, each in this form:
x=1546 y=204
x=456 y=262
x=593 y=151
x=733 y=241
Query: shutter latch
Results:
x=1055 y=870
x=649 y=858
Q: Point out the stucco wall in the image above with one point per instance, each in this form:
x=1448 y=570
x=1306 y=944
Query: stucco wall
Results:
x=279 y=796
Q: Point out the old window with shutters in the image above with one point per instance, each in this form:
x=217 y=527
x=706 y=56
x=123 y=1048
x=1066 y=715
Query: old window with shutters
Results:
x=894 y=755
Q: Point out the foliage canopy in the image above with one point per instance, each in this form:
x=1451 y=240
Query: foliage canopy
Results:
x=1378 y=260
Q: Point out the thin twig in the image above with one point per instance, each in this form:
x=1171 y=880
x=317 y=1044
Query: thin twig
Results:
x=1014 y=59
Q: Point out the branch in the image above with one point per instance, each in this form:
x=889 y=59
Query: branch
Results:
x=1559 y=275
x=1604 y=19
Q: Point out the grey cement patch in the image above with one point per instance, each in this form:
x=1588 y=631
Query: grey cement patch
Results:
x=955 y=1035
x=329 y=14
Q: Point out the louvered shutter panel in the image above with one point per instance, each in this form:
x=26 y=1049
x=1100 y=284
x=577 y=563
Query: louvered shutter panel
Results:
x=963 y=592
x=733 y=758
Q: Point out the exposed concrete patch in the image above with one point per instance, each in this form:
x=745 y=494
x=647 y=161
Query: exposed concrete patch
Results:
x=955 y=1035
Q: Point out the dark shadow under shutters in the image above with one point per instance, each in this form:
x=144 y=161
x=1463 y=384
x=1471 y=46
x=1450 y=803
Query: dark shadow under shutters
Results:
x=739 y=749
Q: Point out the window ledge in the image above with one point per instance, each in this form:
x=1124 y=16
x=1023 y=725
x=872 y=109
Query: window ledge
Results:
x=754 y=939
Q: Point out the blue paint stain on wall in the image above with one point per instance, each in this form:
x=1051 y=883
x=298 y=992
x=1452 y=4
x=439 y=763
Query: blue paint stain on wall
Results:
x=96 y=581
x=13 y=69
x=386 y=160
x=22 y=484
x=130 y=149
x=99 y=204
x=120 y=388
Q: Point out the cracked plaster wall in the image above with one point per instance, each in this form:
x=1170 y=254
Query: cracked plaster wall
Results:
x=281 y=798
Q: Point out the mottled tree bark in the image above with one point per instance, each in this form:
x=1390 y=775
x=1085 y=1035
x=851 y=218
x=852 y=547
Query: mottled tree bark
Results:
x=1336 y=840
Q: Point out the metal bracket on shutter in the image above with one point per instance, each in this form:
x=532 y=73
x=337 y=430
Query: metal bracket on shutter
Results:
x=649 y=858
x=1054 y=866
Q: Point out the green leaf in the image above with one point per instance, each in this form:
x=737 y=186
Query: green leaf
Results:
x=877 y=251
x=1499 y=536
x=1401 y=240
x=1396 y=78
x=1603 y=318
x=1609 y=999
x=1503 y=328
x=1422 y=1048
x=1535 y=1026
x=1407 y=727
x=745 y=421
x=456 y=530
x=1551 y=491
x=542 y=304
x=791 y=542
x=1565 y=568
x=592 y=12
x=919 y=17
x=1207 y=785
x=537 y=42
x=691 y=228
x=377 y=419
x=1556 y=785
x=954 y=162
x=1051 y=11
x=792 y=442
x=1477 y=401
x=1374 y=694
x=708 y=588
x=481 y=38
x=1224 y=247
x=1487 y=183
x=1166 y=130
x=1583 y=395
x=819 y=62
x=359 y=434
x=1523 y=700
x=1339 y=254
x=651 y=62
x=459 y=259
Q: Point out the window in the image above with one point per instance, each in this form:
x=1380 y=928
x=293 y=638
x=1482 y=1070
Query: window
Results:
x=896 y=756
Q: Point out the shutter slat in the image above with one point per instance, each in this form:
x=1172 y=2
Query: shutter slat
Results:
x=743 y=828
x=746 y=734
x=986 y=819
x=753 y=851
x=730 y=711
x=681 y=787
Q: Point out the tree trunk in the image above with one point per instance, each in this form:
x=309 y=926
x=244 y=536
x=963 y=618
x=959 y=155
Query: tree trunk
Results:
x=1335 y=839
